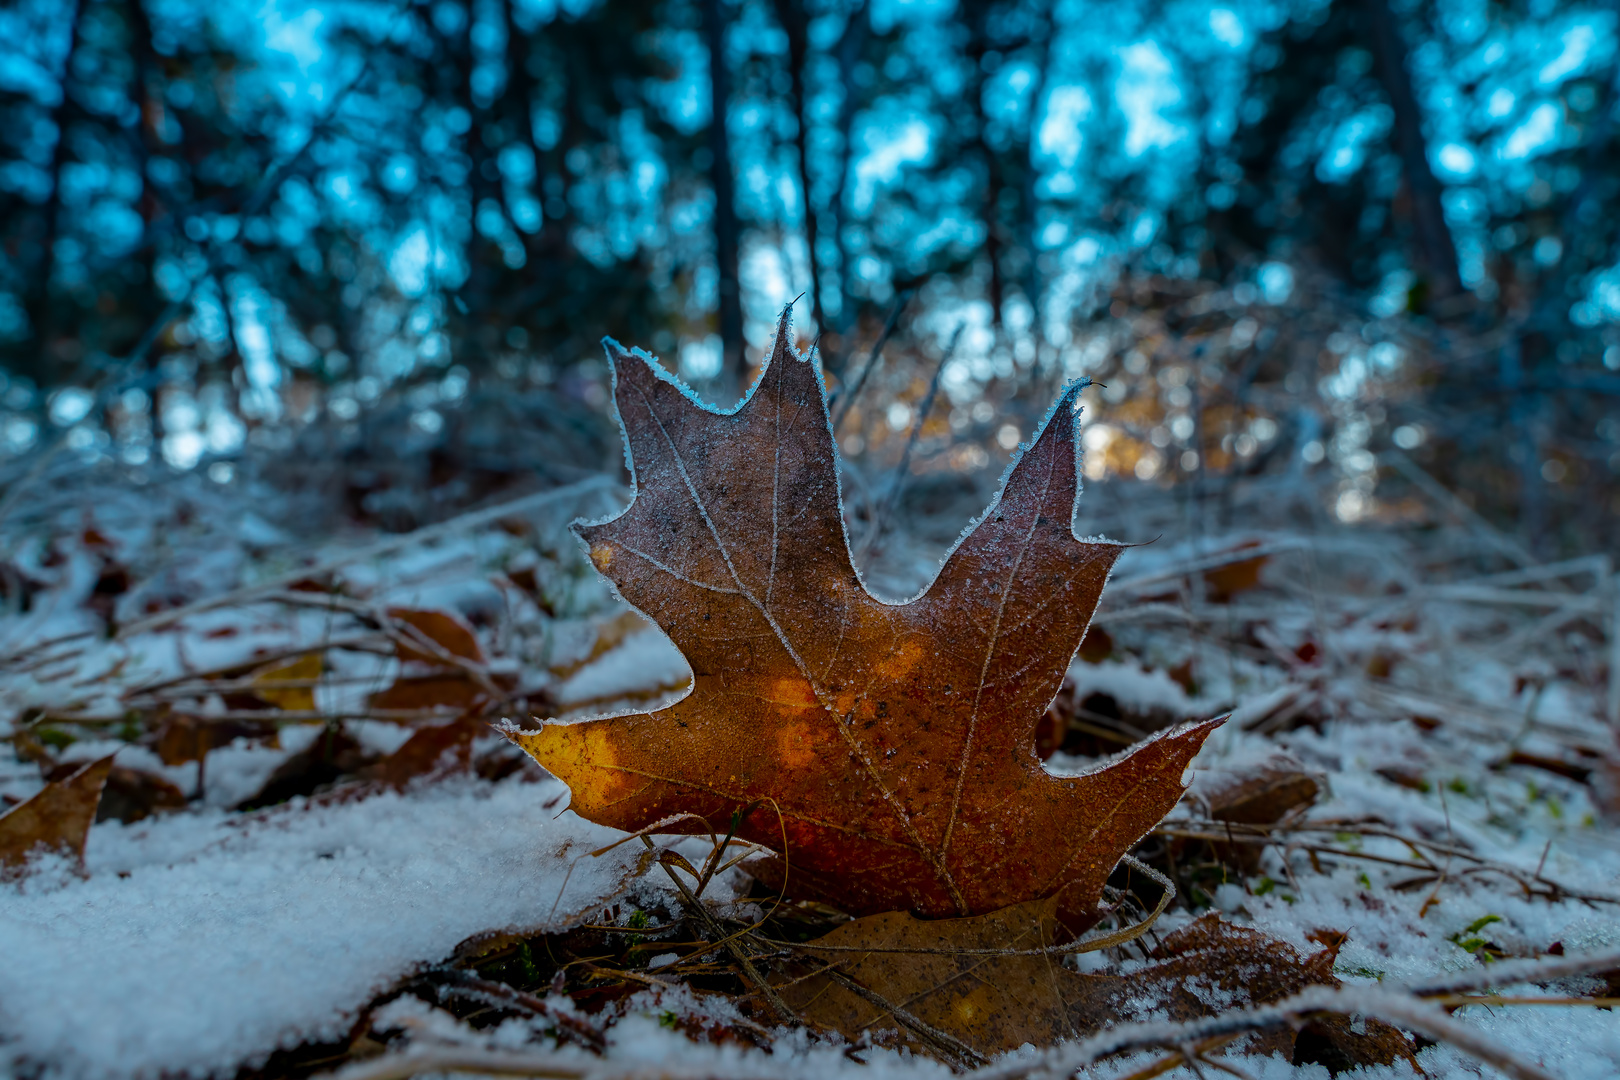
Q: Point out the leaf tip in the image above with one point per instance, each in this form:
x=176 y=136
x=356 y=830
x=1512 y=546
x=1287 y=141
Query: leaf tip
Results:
x=1192 y=736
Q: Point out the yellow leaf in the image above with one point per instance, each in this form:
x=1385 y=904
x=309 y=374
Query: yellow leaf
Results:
x=290 y=687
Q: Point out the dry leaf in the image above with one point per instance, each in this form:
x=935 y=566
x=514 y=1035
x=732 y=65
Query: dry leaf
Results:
x=57 y=819
x=438 y=690
x=1263 y=795
x=441 y=636
x=610 y=634
x=893 y=744
x=290 y=687
x=992 y=1003
x=190 y=738
x=1210 y=965
x=1221 y=583
x=426 y=749
x=333 y=755
x=129 y=795
x=439 y=639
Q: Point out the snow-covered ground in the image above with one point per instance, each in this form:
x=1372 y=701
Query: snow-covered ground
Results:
x=198 y=942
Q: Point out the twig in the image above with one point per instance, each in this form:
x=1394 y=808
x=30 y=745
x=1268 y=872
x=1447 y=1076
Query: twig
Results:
x=730 y=943
x=426 y=534
x=845 y=401
x=108 y=383
x=1451 y=1001
x=1399 y=1004
x=891 y=498
x=1176 y=1060
x=1396 y=1008
x=471 y=1059
x=266 y=716
x=358 y=643
x=948 y=1046
x=1437 y=491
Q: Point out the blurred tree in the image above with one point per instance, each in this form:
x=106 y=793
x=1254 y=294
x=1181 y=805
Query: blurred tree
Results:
x=319 y=212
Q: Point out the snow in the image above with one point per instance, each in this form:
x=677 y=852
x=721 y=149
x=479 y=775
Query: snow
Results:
x=198 y=943
x=645 y=663
x=201 y=942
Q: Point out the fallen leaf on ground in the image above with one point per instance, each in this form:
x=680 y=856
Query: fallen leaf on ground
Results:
x=437 y=639
x=886 y=749
x=609 y=635
x=1263 y=794
x=129 y=795
x=333 y=755
x=57 y=819
x=953 y=983
x=430 y=748
x=436 y=690
x=190 y=738
x=290 y=686
x=435 y=636
x=1221 y=583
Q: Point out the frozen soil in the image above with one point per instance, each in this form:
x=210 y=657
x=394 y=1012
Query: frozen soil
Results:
x=1453 y=710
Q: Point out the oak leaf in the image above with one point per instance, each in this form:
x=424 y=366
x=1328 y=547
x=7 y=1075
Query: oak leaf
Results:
x=887 y=750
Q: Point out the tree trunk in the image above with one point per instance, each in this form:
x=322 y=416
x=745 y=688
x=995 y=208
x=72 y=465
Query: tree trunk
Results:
x=849 y=52
x=1033 y=284
x=734 y=365
x=796 y=23
x=978 y=19
x=39 y=300
x=1436 y=255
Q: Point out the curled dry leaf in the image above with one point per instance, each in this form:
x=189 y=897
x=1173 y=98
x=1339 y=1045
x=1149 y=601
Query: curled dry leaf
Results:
x=56 y=819
x=892 y=745
x=1264 y=794
x=945 y=976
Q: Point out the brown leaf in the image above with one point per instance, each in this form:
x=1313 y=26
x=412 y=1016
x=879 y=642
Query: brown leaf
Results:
x=450 y=636
x=284 y=686
x=1221 y=583
x=610 y=634
x=58 y=818
x=992 y=1003
x=1097 y=646
x=441 y=689
x=426 y=750
x=189 y=738
x=1264 y=794
x=893 y=744
x=129 y=795
x=333 y=755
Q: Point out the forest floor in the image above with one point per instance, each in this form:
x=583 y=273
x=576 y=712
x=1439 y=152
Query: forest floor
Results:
x=309 y=857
